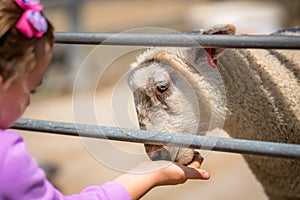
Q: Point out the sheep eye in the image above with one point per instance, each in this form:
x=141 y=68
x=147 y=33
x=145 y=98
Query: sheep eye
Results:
x=162 y=87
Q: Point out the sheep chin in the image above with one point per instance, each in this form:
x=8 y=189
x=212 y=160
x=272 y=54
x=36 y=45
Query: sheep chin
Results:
x=185 y=156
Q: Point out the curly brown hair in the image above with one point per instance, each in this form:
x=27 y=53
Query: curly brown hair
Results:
x=17 y=52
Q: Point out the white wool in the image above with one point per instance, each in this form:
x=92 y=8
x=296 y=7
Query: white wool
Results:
x=263 y=95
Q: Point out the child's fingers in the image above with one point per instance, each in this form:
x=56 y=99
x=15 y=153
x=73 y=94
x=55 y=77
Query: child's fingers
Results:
x=204 y=174
x=197 y=161
x=192 y=173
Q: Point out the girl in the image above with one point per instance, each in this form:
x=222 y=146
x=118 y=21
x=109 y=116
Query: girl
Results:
x=26 y=40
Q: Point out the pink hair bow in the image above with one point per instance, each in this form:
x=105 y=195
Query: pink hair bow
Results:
x=32 y=22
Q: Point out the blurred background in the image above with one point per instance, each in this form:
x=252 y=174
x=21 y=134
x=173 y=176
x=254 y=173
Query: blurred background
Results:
x=80 y=162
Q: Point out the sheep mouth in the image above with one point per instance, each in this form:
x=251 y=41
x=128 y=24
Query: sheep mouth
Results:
x=157 y=152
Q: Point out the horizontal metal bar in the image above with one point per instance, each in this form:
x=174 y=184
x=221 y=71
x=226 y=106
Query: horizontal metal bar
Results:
x=177 y=40
x=253 y=147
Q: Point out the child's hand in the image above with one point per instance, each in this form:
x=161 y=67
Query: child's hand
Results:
x=178 y=174
x=156 y=173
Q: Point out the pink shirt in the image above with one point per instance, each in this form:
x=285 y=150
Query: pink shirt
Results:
x=21 y=178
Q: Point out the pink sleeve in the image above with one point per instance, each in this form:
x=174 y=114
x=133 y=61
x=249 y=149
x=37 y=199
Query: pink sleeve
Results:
x=109 y=190
x=21 y=178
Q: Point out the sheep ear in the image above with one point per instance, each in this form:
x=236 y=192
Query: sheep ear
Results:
x=213 y=53
x=221 y=29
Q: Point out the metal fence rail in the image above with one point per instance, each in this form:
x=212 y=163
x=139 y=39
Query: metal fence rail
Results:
x=252 y=147
x=177 y=40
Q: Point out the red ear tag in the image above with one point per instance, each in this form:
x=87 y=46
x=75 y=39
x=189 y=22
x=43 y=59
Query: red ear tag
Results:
x=211 y=62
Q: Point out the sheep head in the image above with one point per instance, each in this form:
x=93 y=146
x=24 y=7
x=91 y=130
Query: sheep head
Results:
x=165 y=85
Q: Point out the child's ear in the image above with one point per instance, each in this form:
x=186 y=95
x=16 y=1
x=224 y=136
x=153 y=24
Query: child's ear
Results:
x=212 y=53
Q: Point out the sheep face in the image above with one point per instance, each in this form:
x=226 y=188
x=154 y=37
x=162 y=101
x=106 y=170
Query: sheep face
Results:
x=165 y=102
x=167 y=95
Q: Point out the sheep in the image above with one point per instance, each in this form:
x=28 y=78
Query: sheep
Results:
x=249 y=93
